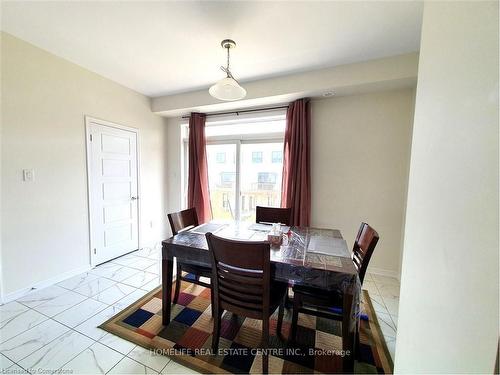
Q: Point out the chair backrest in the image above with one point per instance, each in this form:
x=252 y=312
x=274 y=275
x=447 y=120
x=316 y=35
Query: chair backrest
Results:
x=273 y=215
x=182 y=220
x=241 y=274
x=365 y=243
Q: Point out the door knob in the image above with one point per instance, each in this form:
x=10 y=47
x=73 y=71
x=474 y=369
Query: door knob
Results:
x=134 y=198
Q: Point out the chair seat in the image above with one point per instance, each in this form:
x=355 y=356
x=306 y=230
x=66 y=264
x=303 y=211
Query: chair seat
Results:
x=318 y=293
x=196 y=270
x=321 y=299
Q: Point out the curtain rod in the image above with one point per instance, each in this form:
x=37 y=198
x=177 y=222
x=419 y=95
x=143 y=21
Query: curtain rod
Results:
x=242 y=111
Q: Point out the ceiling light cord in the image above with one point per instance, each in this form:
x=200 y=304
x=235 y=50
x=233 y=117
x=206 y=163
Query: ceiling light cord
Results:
x=226 y=69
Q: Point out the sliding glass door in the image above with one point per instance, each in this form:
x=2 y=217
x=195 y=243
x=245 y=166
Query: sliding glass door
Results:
x=245 y=162
x=243 y=175
x=222 y=180
x=261 y=166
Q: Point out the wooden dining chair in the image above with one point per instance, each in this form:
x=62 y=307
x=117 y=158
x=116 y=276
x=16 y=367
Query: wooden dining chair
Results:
x=363 y=248
x=241 y=274
x=180 y=221
x=329 y=305
x=273 y=215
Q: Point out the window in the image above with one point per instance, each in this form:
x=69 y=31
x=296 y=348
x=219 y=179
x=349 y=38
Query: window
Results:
x=244 y=158
x=222 y=181
x=266 y=180
x=260 y=181
x=236 y=128
x=257 y=157
x=221 y=157
x=265 y=177
x=227 y=178
x=277 y=157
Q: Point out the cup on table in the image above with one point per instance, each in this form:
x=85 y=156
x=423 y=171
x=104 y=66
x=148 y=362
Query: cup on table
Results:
x=276 y=237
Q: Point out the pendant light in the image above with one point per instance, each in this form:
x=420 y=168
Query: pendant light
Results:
x=227 y=89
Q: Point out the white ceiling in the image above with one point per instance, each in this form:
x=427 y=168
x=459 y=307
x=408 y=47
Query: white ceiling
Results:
x=160 y=48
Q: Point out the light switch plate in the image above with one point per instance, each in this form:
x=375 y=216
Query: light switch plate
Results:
x=28 y=175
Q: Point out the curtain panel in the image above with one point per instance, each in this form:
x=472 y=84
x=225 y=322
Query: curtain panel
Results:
x=296 y=185
x=198 y=192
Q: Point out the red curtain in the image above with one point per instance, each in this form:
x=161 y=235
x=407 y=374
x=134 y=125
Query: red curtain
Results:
x=296 y=185
x=198 y=193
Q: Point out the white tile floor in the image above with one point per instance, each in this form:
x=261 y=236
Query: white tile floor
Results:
x=56 y=328
x=384 y=294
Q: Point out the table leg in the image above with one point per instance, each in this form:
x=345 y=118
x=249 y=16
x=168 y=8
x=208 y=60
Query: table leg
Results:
x=348 y=336
x=167 y=275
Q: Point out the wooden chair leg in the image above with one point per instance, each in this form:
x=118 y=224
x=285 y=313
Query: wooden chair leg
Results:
x=348 y=337
x=280 y=317
x=265 y=345
x=212 y=302
x=216 y=332
x=295 y=316
x=177 y=282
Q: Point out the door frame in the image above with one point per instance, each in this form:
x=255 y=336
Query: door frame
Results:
x=94 y=120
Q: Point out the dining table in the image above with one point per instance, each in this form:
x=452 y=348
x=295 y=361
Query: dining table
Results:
x=311 y=257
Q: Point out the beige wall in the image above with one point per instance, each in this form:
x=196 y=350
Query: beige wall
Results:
x=360 y=157
x=44 y=101
x=448 y=310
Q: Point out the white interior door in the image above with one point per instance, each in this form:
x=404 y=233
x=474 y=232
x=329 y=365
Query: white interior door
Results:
x=113 y=191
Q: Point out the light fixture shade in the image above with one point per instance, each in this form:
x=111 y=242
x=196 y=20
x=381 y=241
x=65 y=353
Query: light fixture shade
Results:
x=227 y=89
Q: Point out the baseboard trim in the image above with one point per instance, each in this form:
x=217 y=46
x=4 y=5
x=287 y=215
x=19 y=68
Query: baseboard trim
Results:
x=43 y=284
x=383 y=272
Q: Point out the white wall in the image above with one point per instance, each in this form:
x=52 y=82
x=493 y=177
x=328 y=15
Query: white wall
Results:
x=174 y=170
x=45 y=223
x=360 y=158
x=448 y=314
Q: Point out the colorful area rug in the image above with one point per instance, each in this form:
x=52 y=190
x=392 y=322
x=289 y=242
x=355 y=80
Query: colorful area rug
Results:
x=187 y=339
